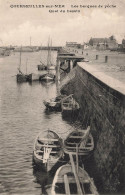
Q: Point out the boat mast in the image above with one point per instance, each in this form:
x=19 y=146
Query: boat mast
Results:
x=20 y=58
x=26 y=65
x=50 y=52
x=41 y=54
x=30 y=41
x=48 y=57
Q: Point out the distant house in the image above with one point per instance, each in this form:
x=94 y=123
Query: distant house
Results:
x=86 y=46
x=104 y=43
x=123 y=43
x=2 y=51
x=120 y=46
x=73 y=44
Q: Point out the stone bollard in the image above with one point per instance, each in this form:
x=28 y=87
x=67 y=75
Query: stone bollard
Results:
x=97 y=57
x=106 y=59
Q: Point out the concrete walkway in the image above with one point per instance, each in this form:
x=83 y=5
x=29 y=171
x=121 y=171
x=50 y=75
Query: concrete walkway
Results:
x=102 y=76
x=114 y=67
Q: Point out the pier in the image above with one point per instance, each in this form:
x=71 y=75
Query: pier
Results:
x=102 y=100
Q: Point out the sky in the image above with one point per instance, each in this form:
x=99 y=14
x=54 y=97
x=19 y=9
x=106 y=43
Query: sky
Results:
x=17 y=25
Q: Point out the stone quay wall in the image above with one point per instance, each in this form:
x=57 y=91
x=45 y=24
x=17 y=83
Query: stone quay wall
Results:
x=103 y=108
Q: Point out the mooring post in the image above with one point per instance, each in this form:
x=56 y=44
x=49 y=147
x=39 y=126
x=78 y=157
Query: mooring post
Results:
x=97 y=57
x=71 y=65
x=106 y=59
x=58 y=70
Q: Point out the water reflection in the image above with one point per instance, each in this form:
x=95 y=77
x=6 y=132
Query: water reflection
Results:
x=47 y=84
x=41 y=176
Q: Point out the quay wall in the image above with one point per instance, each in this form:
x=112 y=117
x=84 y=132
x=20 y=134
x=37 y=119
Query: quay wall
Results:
x=103 y=108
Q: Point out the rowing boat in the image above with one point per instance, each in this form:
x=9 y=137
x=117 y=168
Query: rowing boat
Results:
x=47 y=149
x=69 y=106
x=67 y=182
x=80 y=141
x=54 y=103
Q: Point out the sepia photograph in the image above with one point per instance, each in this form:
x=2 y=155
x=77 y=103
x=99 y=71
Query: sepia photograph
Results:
x=62 y=97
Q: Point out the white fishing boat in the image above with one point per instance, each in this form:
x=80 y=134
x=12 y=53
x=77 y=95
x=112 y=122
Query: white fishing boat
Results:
x=47 y=149
x=47 y=77
x=71 y=182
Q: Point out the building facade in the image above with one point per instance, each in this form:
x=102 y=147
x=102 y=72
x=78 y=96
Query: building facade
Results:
x=104 y=43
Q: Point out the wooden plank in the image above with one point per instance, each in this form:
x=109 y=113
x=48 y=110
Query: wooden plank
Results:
x=50 y=146
x=70 y=143
x=67 y=189
x=80 y=149
x=47 y=139
x=72 y=180
x=77 y=160
x=52 y=152
x=76 y=176
x=76 y=136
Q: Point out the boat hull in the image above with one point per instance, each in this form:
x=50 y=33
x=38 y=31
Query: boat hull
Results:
x=69 y=184
x=79 y=142
x=22 y=78
x=41 y=67
x=69 y=113
x=53 y=106
x=47 y=149
x=45 y=166
x=47 y=77
x=70 y=108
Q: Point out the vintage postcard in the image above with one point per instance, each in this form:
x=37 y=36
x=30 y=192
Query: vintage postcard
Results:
x=62 y=97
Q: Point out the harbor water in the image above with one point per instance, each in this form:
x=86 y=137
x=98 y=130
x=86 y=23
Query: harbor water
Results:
x=22 y=117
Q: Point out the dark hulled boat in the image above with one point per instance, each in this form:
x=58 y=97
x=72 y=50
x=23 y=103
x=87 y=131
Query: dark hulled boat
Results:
x=79 y=141
x=21 y=77
x=54 y=103
x=69 y=106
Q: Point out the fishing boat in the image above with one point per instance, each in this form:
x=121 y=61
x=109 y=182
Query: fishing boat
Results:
x=69 y=106
x=54 y=103
x=50 y=75
x=68 y=181
x=47 y=77
x=21 y=77
x=42 y=66
x=79 y=141
x=47 y=149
